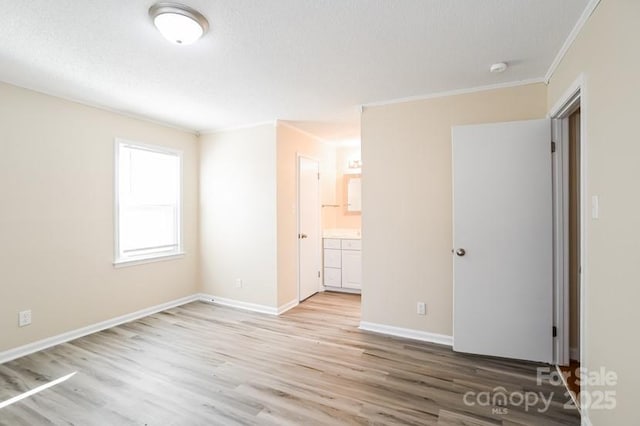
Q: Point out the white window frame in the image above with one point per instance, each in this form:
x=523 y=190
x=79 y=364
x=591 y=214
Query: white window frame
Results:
x=120 y=261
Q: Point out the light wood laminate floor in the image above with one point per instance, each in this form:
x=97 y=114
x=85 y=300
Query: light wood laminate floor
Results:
x=202 y=364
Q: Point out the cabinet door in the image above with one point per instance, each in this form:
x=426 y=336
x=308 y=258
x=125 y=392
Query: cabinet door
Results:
x=351 y=269
x=332 y=258
x=332 y=277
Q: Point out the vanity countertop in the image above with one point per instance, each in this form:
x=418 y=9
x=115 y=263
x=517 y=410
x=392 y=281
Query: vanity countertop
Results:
x=352 y=234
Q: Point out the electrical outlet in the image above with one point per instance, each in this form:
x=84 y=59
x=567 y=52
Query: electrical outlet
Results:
x=422 y=308
x=24 y=318
x=238 y=283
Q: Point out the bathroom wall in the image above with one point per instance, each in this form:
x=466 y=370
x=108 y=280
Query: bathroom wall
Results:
x=248 y=199
x=292 y=142
x=343 y=155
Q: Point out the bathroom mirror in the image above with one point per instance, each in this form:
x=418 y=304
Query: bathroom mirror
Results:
x=353 y=194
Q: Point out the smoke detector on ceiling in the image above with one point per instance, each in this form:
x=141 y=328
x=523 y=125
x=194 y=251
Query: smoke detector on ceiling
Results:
x=498 y=67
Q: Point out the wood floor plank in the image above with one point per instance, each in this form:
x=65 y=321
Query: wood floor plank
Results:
x=448 y=418
x=202 y=364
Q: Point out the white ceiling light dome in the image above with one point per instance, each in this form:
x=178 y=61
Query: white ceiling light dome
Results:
x=178 y=23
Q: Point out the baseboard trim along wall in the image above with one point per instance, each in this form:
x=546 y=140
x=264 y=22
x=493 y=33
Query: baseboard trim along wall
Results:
x=253 y=307
x=40 y=345
x=290 y=305
x=407 y=333
x=341 y=290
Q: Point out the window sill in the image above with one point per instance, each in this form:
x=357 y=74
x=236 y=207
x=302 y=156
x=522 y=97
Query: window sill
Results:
x=122 y=263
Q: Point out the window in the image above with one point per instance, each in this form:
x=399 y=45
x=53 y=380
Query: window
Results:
x=148 y=202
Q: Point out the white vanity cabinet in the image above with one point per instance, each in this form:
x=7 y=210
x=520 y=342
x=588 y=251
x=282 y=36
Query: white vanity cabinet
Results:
x=342 y=264
x=351 y=269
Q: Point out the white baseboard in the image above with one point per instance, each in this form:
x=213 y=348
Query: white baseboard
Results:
x=341 y=289
x=30 y=348
x=39 y=345
x=574 y=353
x=407 y=333
x=253 y=307
x=290 y=305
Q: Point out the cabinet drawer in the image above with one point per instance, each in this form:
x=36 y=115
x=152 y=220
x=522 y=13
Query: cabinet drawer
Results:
x=332 y=277
x=331 y=243
x=332 y=258
x=351 y=244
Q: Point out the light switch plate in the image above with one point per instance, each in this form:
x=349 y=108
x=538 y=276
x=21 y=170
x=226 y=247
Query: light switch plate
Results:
x=422 y=308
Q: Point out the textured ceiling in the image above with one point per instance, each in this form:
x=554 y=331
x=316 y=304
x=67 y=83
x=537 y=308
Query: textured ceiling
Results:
x=306 y=61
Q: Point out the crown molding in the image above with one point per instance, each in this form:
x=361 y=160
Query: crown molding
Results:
x=455 y=92
x=234 y=128
x=588 y=11
x=304 y=132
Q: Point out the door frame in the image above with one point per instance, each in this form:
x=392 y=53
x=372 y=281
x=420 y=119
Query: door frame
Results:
x=573 y=98
x=319 y=224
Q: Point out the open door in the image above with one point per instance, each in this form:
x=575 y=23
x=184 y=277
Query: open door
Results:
x=503 y=240
x=308 y=227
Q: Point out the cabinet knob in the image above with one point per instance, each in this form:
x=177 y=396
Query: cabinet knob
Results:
x=461 y=252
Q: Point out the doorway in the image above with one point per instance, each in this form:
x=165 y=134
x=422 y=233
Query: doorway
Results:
x=308 y=227
x=568 y=126
x=574 y=252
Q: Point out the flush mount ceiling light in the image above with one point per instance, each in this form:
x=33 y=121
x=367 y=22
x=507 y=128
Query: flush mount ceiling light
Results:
x=498 y=67
x=178 y=23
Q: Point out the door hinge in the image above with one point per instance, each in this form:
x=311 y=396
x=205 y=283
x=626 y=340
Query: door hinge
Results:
x=553 y=147
x=318 y=274
x=555 y=331
x=318 y=176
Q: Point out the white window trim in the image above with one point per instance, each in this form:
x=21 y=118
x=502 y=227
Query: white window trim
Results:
x=119 y=262
x=150 y=259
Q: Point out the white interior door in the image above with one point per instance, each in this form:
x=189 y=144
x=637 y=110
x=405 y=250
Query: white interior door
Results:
x=308 y=227
x=503 y=260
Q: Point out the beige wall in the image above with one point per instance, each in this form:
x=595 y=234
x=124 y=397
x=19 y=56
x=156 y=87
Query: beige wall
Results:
x=290 y=143
x=343 y=155
x=407 y=229
x=249 y=210
x=56 y=220
x=606 y=51
x=238 y=214
x=328 y=195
